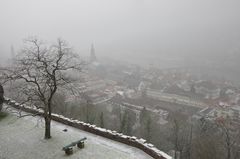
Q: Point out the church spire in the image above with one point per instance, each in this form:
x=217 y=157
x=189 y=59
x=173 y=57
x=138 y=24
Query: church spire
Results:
x=93 y=57
x=12 y=52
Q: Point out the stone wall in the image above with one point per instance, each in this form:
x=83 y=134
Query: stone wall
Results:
x=113 y=135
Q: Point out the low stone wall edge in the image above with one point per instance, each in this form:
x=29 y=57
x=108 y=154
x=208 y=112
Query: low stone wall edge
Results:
x=113 y=135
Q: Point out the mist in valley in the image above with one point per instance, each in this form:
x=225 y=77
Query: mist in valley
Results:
x=163 y=33
x=165 y=71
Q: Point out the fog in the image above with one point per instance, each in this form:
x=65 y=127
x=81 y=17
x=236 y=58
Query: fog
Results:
x=164 y=71
x=126 y=29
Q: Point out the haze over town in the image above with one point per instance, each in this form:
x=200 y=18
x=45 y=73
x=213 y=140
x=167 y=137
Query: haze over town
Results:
x=139 y=29
x=161 y=76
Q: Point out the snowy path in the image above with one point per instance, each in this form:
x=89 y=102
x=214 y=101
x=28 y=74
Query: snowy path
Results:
x=23 y=139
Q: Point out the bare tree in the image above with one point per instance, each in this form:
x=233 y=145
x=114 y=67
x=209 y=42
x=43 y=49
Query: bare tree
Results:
x=205 y=143
x=180 y=134
x=101 y=120
x=42 y=70
x=230 y=133
x=125 y=123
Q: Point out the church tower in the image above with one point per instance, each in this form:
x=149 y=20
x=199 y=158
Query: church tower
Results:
x=12 y=52
x=93 y=57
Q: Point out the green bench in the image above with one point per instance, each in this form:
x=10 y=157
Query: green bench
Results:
x=69 y=148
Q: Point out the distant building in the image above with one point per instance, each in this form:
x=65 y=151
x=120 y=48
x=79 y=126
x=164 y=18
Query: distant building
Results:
x=142 y=86
x=220 y=112
x=185 y=85
x=208 y=89
x=93 y=57
x=12 y=52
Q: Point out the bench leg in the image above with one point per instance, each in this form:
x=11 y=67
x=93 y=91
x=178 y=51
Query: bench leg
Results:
x=80 y=145
x=69 y=151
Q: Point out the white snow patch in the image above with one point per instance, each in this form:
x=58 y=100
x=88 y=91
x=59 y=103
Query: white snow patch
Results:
x=23 y=138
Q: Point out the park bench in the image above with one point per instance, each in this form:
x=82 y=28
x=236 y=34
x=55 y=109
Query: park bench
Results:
x=69 y=148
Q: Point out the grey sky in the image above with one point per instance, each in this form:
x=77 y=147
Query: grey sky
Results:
x=125 y=27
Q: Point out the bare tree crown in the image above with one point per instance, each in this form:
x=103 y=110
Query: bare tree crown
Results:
x=42 y=69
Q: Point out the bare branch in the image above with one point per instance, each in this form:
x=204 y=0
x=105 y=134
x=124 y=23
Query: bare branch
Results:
x=41 y=70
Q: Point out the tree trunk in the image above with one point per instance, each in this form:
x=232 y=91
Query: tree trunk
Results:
x=47 y=127
x=229 y=153
x=1 y=107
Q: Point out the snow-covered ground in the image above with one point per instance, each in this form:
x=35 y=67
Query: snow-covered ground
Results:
x=22 y=138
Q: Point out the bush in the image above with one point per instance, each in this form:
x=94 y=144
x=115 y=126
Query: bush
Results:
x=3 y=115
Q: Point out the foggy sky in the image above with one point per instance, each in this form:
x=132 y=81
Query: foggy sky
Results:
x=126 y=28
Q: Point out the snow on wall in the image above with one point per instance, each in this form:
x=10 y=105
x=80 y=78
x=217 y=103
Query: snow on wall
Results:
x=113 y=135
